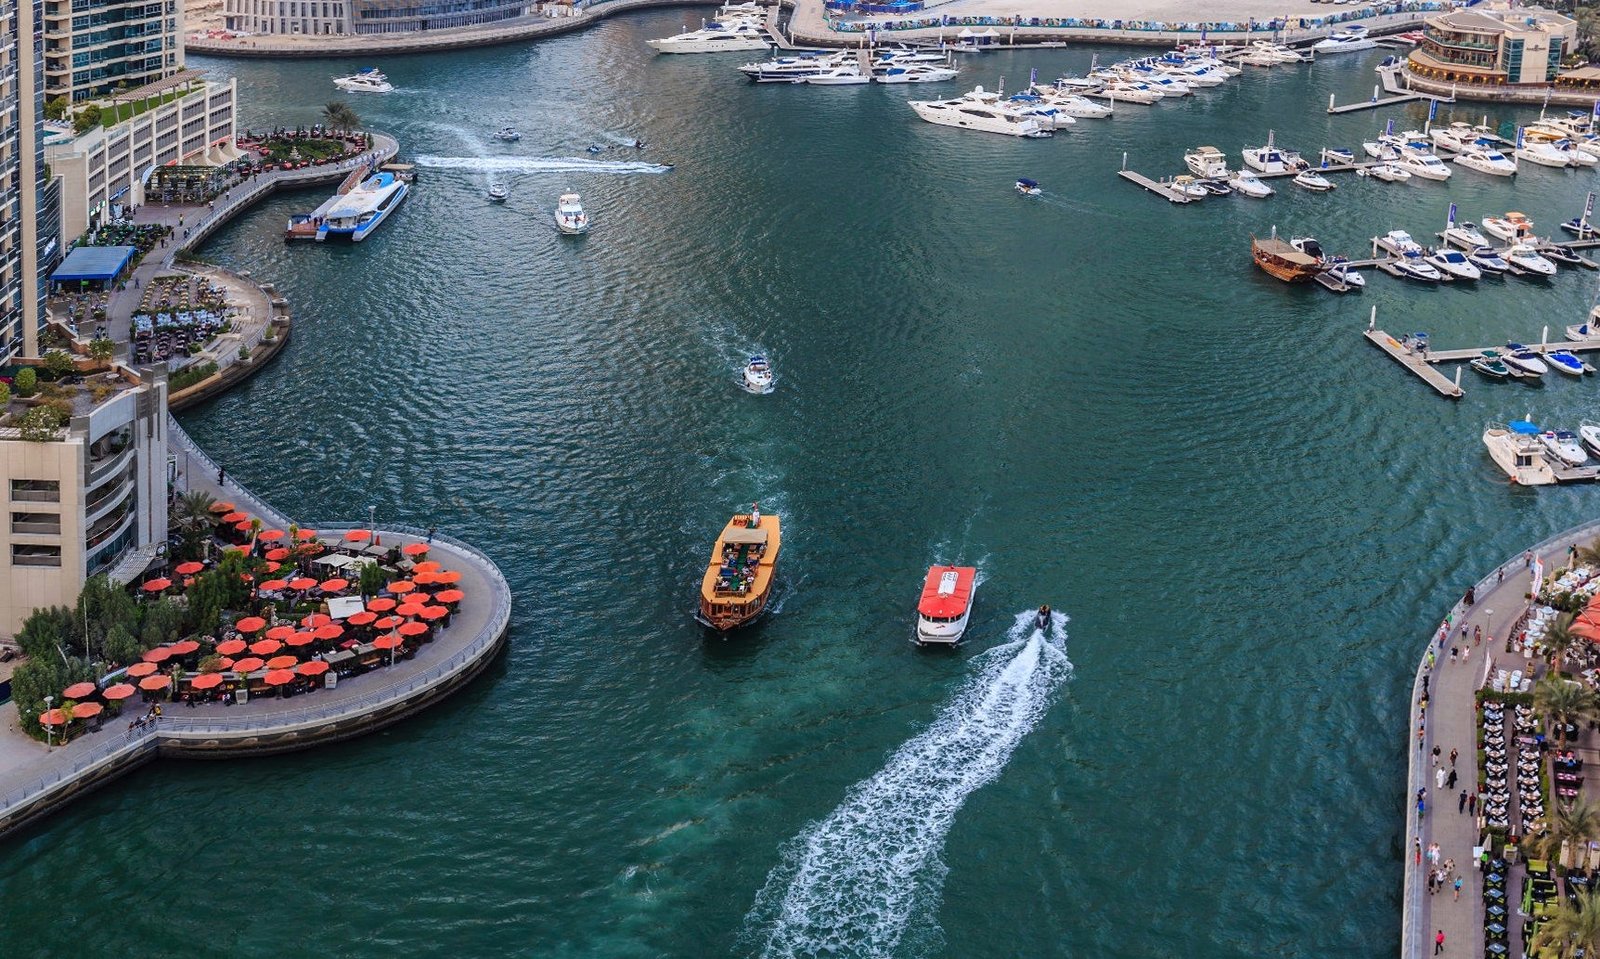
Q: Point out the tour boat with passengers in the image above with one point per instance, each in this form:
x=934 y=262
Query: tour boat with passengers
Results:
x=738 y=580
x=570 y=216
x=357 y=213
x=946 y=604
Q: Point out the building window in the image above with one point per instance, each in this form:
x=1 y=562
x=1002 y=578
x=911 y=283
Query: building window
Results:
x=23 y=555
x=36 y=491
x=36 y=524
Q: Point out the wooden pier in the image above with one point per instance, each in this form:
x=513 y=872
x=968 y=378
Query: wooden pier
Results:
x=1413 y=361
x=1398 y=94
x=1154 y=186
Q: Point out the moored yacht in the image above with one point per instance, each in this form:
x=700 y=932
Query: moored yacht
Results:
x=1073 y=105
x=845 y=74
x=1313 y=181
x=717 y=36
x=915 y=73
x=1457 y=136
x=1387 y=172
x=1248 y=184
x=946 y=604
x=791 y=69
x=1520 y=357
x=1524 y=257
x=1454 y=264
x=1486 y=159
x=1516 y=449
x=570 y=216
x=1488 y=260
x=1424 y=165
x=1512 y=227
x=1565 y=446
x=1464 y=235
x=739 y=579
x=1544 y=153
x=1348 y=40
x=1271 y=159
x=357 y=213
x=1206 y=162
x=979 y=111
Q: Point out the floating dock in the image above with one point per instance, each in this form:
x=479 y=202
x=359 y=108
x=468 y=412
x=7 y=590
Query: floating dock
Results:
x=1413 y=361
x=1397 y=94
x=1421 y=362
x=1154 y=186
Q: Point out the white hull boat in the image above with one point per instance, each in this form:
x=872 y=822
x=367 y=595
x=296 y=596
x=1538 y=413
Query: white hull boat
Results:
x=1248 y=184
x=1543 y=154
x=1270 y=159
x=1464 y=235
x=1589 y=432
x=1492 y=162
x=1313 y=181
x=916 y=73
x=1519 y=357
x=1524 y=257
x=1564 y=446
x=1349 y=40
x=1566 y=361
x=1488 y=260
x=1454 y=264
x=1206 y=162
x=1387 y=172
x=1424 y=165
x=739 y=35
x=978 y=111
x=367 y=80
x=570 y=216
x=849 y=75
x=757 y=375
x=1510 y=228
x=1517 y=451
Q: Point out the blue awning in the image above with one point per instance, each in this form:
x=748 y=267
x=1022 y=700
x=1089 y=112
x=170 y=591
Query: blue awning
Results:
x=93 y=264
x=1523 y=427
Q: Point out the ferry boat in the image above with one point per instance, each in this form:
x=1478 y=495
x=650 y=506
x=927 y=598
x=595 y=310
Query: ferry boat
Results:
x=357 y=213
x=365 y=80
x=1516 y=449
x=739 y=33
x=946 y=604
x=1284 y=261
x=738 y=580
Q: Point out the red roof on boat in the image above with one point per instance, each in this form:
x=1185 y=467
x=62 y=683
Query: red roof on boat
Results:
x=947 y=591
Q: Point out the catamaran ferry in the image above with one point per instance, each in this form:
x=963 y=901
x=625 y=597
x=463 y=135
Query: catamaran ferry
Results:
x=354 y=213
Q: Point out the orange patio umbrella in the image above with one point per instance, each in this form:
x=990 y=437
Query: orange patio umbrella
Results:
x=273 y=585
x=231 y=647
x=248 y=665
x=305 y=535
x=334 y=585
x=449 y=577
x=207 y=681
x=282 y=662
x=363 y=618
x=401 y=586
x=86 y=710
x=412 y=629
x=119 y=691
x=249 y=624
x=382 y=604
x=184 y=647
x=223 y=507
x=313 y=620
x=267 y=647
x=153 y=683
x=388 y=622
x=386 y=641
x=303 y=637
x=410 y=609
x=358 y=535
x=314 y=668
x=279 y=554
x=157 y=585
x=242 y=527
x=237 y=517
x=54 y=717
x=78 y=691
x=302 y=583
x=427 y=566
x=431 y=613
x=425 y=577
x=272 y=567
x=158 y=655
x=227 y=662
x=329 y=631
x=280 y=632
x=189 y=568
x=450 y=596
x=141 y=669
x=279 y=677
x=1587 y=623
x=270 y=535
x=414 y=549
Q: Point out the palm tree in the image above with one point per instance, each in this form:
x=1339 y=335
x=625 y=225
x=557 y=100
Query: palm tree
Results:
x=1564 y=702
x=1580 y=824
x=1589 y=555
x=1561 y=640
x=337 y=115
x=1575 y=928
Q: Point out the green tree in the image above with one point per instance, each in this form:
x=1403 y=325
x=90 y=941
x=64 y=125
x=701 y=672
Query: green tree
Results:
x=193 y=519
x=1578 y=824
x=1561 y=640
x=337 y=115
x=102 y=349
x=56 y=108
x=120 y=646
x=58 y=363
x=41 y=424
x=5 y=396
x=163 y=623
x=86 y=118
x=372 y=579
x=38 y=678
x=1575 y=928
x=26 y=381
x=101 y=606
x=44 y=634
x=1564 y=702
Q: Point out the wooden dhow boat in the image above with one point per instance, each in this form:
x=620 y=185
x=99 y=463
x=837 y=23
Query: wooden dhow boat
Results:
x=738 y=580
x=1284 y=261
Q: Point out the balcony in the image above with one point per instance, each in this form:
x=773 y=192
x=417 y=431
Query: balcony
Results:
x=40 y=556
x=37 y=527
x=104 y=466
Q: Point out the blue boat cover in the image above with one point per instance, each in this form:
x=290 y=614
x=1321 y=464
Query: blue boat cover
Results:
x=1523 y=427
x=100 y=264
x=1027 y=182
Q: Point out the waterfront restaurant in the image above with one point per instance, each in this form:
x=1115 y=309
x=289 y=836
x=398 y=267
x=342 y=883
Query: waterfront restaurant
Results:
x=1495 y=47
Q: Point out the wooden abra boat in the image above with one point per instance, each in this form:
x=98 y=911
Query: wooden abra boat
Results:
x=1284 y=261
x=738 y=580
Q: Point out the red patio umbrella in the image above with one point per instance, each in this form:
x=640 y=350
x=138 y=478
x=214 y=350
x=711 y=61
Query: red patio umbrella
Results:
x=248 y=665
x=249 y=624
x=450 y=596
x=158 y=655
x=184 y=647
x=243 y=527
x=1587 y=624
x=329 y=631
x=382 y=604
x=156 y=585
x=334 y=585
x=410 y=609
x=282 y=662
x=412 y=629
x=227 y=662
x=279 y=554
x=313 y=620
x=223 y=507
x=425 y=577
x=388 y=622
x=427 y=566
x=431 y=613
x=119 y=691
x=279 y=677
x=272 y=567
x=386 y=641
x=153 y=683
x=237 y=517
x=86 y=710
x=363 y=618
x=207 y=681
x=231 y=647
x=314 y=668
x=448 y=577
x=281 y=632
x=189 y=568
x=401 y=586
x=267 y=647
x=414 y=549
x=305 y=535
x=270 y=535
x=302 y=583
x=78 y=691
x=302 y=638
x=273 y=585
x=54 y=717
x=358 y=535
x=141 y=669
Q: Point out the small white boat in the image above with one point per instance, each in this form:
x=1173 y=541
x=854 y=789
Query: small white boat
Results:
x=1519 y=357
x=1510 y=228
x=1589 y=432
x=1424 y=165
x=1488 y=260
x=1270 y=159
x=1566 y=362
x=1580 y=153
x=1028 y=187
x=1189 y=187
x=1565 y=446
x=1206 y=162
x=1348 y=40
x=946 y=604
x=1399 y=242
x=1414 y=266
x=1524 y=257
x=758 y=376
x=498 y=192
x=570 y=216
x=1124 y=91
x=507 y=135
x=1248 y=184
x=1516 y=449
x=365 y=80
x=1464 y=235
x=1337 y=266
x=1313 y=181
x=1454 y=263
x=1587 y=330
x=1387 y=172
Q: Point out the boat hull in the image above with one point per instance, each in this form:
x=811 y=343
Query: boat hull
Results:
x=358 y=233
x=730 y=45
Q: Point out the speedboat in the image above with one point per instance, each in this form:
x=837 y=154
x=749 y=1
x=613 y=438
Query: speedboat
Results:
x=945 y=604
x=1489 y=365
x=1248 y=184
x=1385 y=147
x=1581 y=227
x=1206 y=162
x=365 y=80
x=1544 y=153
x=1189 y=187
x=1348 y=40
x=1524 y=257
x=1387 y=172
x=717 y=36
x=1488 y=160
x=1313 y=181
x=1028 y=187
x=1078 y=107
x=1454 y=264
x=1270 y=159
x=1579 y=153
x=1216 y=186
x=1589 y=432
x=1519 y=357
x=1516 y=449
x=1556 y=253
x=1510 y=228
x=498 y=192
x=570 y=217
x=1464 y=235
x=979 y=111
x=1399 y=242
x=1457 y=136
x=1488 y=260
x=1565 y=446
x=507 y=134
x=916 y=73
x=845 y=74
x=758 y=374
x=1567 y=362
x=1424 y=165
x=1414 y=266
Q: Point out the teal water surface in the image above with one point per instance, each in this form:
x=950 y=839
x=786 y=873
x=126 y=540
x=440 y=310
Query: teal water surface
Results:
x=1248 y=516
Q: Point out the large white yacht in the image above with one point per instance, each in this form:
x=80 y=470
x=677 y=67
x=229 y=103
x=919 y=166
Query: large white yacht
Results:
x=1485 y=158
x=845 y=74
x=1348 y=40
x=1130 y=91
x=980 y=111
x=365 y=80
x=1458 y=136
x=1544 y=153
x=1424 y=165
x=1271 y=159
x=357 y=213
x=1516 y=449
x=1206 y=162
x=1071 y=104
x=916 y=72
x=716 y=36
x=793 y=69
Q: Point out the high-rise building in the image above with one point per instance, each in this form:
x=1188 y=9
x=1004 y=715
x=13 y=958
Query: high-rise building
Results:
x=330 y=17
x=93 y=48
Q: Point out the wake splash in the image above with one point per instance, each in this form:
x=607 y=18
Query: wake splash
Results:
x=512 y=164
x=855 y=882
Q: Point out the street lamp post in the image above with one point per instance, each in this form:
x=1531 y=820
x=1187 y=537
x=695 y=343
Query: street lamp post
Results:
x=372 y=521
x=47 y=738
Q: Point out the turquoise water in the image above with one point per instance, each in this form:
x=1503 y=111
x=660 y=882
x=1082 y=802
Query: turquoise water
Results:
x=1250 y=517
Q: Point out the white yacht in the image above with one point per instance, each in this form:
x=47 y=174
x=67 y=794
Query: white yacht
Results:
x=1313 y=181
x=1075 y=106
x=1510 y=228
x=507 y=135
x=1565 y=446
x=1465 y=235
x=758 y=376
x=1206 y=162
x=1589 y=432
x=1580 y=153
x=1526 y=258
x=1459 y=136
x=1488 y=260
x=570 y=216
x=1413 y=265
x=1387 y=172
x=1399 y=243
x=1516 y=449
x=1270 y=159
x=1486 y=159
x=717 y=36
x=1248 y=184
x=357 y=213
x=365 y=80
x=1454 y=264
x=1131 y=92
x=1424 y=165
x=980 y=111
x=845 y=74
x=795 y=68
x=915 y=73
x=1348 y=40
x=1544 y=153
x=498 y=193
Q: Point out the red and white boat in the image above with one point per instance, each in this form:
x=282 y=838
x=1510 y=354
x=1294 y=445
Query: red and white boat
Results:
x=946 y=604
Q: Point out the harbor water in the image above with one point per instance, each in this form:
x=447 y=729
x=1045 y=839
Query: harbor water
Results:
x=1250 y=516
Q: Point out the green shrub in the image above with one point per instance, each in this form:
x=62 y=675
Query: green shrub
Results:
x=190 y=375
x=26 y=381
x=58 y=363
x=42 y=424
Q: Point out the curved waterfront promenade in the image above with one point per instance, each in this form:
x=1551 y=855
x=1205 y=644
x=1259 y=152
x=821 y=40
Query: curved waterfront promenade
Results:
x=1499 y=609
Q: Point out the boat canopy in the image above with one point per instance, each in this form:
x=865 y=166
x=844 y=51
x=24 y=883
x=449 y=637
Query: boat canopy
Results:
x=947 y=591
x=1277 y=248
x=1024 y=181
x=744 y=536
x=1524 y=427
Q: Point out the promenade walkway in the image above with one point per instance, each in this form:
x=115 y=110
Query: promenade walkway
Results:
x=1451 y=719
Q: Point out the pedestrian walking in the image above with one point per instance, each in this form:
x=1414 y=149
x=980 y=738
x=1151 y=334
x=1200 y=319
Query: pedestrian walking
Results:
x=1422 y=809
x=1458 y=889
x=1450 y=783
x=1453 y=755
x=1431 y=659
x=1472 y=804
x=1527 y=559
x=1433 y=855
x=1419 y=738
x=1438 y=778
x=1438 y=942
x=1461 y=804
x=1416 y=841
x=1453 y=655
x=1477 y=634
x=1436 y=755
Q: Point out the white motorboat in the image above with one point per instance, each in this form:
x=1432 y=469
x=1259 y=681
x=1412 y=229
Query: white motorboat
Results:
x=1387 y=172
x=792 y=69
x=1206 y=162
x=1259 y=58
x=1248 y=184
x=1519 y=357
x=1078 y=107
x=1348 y=40
x=1516 y=449
x=1189 y=187
x=1524 y=257
x=1454 y=264
x=507 y=135
x=916 y=73
x=1338 y=156
x=717 y=36
x=1313 y=181
x=365 y=80
x=1455 y=137
x=1566 y=362
x=945 y=604
x=1277 y=52
x=901 y=56
x=1034 y=106
x=1581 y=227
x=845 y=74
x=758 y=376
x=1128 y=91
x=498 y=192
x=1589 y=432
x=1386 y=147
x=1414 y=265
x=1587 y=330
x=570 y=216
x=1543 y=153
x=1464 y=235
x=1424 y=165
x=1070 y=86
x=1565 y=446
x=1510 y=228
x=1486 y=159
x=1488 y=260
x=1270 y=159
x=979 y=111
x=1399 y=243
x=1338 y=266
x=1028 y=187
x=1169 y=86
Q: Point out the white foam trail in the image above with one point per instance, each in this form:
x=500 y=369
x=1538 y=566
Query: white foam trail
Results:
x=855 y=882
x=513 y=164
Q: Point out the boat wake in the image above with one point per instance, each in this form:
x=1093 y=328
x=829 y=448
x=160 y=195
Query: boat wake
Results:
x=513 y=164
x=866 y=877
